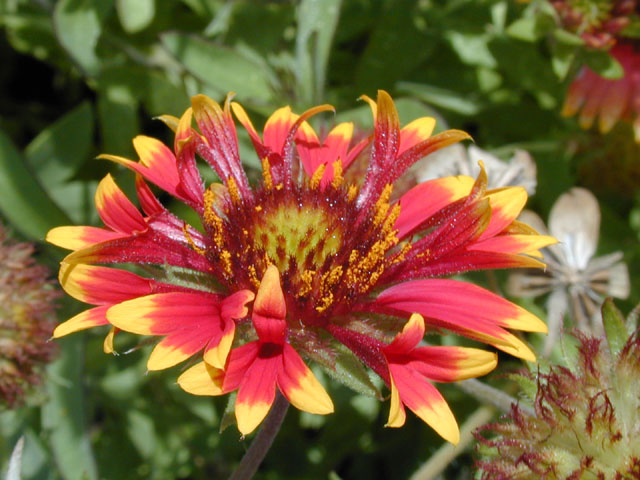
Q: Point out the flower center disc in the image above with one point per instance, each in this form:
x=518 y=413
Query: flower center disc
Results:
x=298 y=236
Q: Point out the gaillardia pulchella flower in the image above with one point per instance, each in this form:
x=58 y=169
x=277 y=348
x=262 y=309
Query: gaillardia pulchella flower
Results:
x=27 y=319
x=584 y=422
x=303 y=265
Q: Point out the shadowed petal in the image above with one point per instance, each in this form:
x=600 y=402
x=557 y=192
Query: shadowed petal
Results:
x=202 y=379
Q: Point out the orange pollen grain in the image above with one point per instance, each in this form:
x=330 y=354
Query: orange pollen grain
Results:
x=266 y=174
x=253 y=276
x=306 y=280
x=317 y=176
x=382 y=205
x=351 y=194
x=233 y=190
x=337 y=174
x=325 y=302
x=192 y=244
x=225 y=256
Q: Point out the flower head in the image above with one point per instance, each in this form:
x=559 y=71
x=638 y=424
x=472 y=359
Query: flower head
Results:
x=333 y=268
x=585 y=421
x=455 y=159
x=599 y=23
x=608 y=100
x=26 y=320
x=576 y=280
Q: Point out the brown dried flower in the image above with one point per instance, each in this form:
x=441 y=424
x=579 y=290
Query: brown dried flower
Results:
x=26 y=319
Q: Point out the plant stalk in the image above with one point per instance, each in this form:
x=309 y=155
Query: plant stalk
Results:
x=263 y=440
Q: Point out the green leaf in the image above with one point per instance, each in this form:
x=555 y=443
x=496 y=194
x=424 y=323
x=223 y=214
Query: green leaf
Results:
x=347 y=369
x=63 y=416
x=472 y=49
x=135 y=15
x=562 y=59
x=59 y=150
x=23 y=201
x=442 y=98
x=530 y=29
x=317 y=21
x=391 y=52
x=118 y=123
x=78 y=25
x=568 y=38
x=221 y=68
x=603 y=64
x=614 y=326
x=142 y=432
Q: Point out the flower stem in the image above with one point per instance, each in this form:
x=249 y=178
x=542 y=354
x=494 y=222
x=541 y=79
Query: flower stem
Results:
x=263 y=440
x=487 y=394
x=447 y=453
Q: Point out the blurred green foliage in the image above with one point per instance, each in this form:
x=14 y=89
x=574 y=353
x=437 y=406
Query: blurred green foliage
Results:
x=81 y=77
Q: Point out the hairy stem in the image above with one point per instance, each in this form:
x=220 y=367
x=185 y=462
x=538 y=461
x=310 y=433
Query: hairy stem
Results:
x=487 y=394
x=263 y=440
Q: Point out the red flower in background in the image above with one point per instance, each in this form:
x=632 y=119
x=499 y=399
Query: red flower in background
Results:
x=607 y=100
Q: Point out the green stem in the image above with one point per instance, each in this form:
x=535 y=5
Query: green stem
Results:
x=487 y=394
x=263 y=440
x=447 y=453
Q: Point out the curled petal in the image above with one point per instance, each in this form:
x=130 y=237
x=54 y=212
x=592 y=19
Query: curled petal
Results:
x=202 y=379
x=93 y=317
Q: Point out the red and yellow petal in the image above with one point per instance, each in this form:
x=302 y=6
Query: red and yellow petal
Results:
x=244 y=119
x=256 y=393
x=101 y=285
x=202 y=379
x=515 y=244
x=397 y=414
x=467 y=309
x=427 y=198
x=425 y=401
x=93 y=317
x=277 y=128
x=300 y=386
x=79 y=237
x=165 y=313
x=116 y=210
x=107 y=345
x=411 y=334
x=415 y=132
x=238 y=362
x=218 y=349
x=452 y=364
x=176 y=348
x=270 y=308
x=506 y=204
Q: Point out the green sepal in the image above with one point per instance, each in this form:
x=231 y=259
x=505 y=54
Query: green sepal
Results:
x=614 y=326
